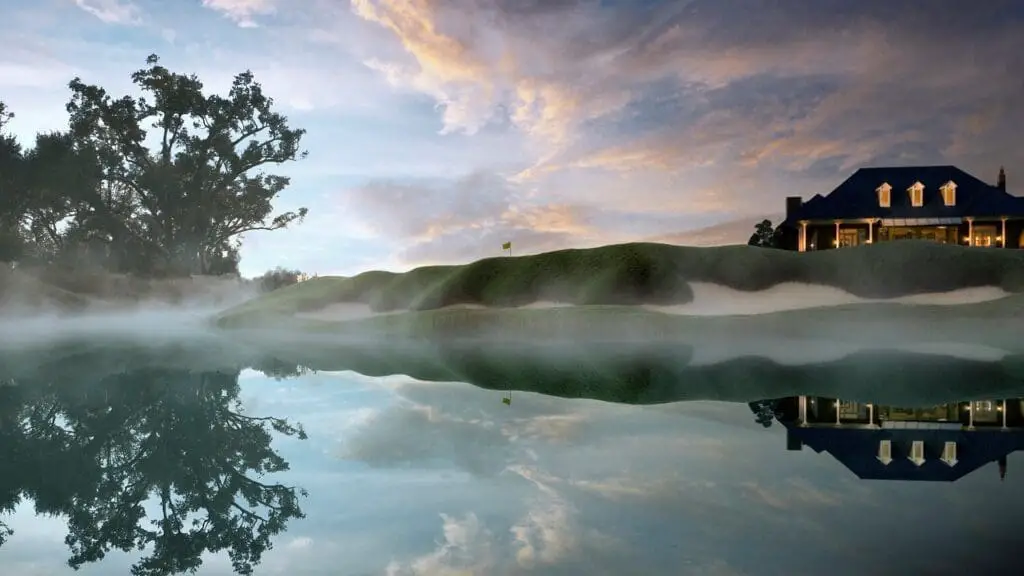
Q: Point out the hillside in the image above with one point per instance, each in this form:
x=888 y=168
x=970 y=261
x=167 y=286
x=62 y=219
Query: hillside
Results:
x=644 y=273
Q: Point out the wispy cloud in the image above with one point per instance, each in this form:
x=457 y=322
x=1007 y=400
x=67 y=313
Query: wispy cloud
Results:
x=243 y=12
x=112 y=11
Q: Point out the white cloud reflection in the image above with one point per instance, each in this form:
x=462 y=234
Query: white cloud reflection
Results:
x=411 y=478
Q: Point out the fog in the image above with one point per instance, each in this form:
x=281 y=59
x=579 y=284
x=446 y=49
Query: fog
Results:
x=731 y=324
x=110 y=306
x=149 y=323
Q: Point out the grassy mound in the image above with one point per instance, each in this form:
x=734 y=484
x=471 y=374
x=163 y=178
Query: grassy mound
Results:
x=663 y=375
x=644 y=273
x=654 y=274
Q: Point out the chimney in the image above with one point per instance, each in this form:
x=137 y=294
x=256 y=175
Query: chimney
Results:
x=1001 y=182
x=792 y=441
x=793 y=204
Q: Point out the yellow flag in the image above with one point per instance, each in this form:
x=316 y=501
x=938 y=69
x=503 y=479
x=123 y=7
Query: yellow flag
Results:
x=506 y=246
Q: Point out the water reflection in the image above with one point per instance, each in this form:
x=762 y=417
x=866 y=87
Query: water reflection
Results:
x=940 y=443
x=158 y=459
x=418 y=461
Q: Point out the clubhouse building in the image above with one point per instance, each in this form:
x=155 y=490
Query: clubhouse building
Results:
x=940 y=444
x=938 y=203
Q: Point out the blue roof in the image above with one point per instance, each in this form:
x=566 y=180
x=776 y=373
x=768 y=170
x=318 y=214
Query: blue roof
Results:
x=856 y=197
x=857 y=449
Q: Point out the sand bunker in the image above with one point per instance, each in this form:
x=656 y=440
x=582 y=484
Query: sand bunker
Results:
x=715 y=300
x=799 y=353
x=342 y=312
x=353 y=311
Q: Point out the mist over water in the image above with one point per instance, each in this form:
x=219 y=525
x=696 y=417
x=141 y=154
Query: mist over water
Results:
x=788 y=324
x=601 y=459
x=155 y=323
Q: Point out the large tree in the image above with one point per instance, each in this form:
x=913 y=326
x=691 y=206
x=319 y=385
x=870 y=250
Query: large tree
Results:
x=12 y=163
x=182 y=172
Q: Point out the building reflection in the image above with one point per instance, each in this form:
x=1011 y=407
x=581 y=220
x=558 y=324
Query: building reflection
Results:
x=876 y=442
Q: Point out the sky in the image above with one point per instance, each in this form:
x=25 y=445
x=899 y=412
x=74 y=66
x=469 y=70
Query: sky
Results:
x=439 y=129
x=410 y=478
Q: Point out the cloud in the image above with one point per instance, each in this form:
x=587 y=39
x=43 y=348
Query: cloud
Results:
x=112 y=11
x=461 y=220
x=579 y=480
x=242 y=12
x=466 y=548
x=723 y=234
x=691 y=84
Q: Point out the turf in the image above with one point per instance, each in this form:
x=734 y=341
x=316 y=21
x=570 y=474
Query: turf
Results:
x=645 y=273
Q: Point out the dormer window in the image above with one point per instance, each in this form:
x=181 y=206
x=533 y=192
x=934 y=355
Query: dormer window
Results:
x=949 y=193
x=916 y=194
x=884 y=195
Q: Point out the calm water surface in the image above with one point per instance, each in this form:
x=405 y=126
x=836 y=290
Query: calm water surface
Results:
x=207 y=463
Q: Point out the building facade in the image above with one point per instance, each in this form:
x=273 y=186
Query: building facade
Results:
x=939 y=443
x=936 y=203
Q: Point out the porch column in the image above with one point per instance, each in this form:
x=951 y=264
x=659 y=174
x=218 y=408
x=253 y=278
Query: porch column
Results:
x=1002 y=237
x=970 y=231
x=837 y=411
x=836 y=241
x=1004 y=413
x=802 y=410
x=871 y=415
x=803 y=236
x=871 y=231
x=970 y=415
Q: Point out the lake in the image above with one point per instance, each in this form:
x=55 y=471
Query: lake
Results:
x=289 y=458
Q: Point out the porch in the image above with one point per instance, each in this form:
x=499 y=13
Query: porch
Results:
x=821 y=411
x=999 y=232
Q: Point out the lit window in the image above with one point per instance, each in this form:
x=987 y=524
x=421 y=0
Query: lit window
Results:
x=916 y=194
x=884 y=198
x=949 y=453
x=949 y=193
x=885 y=451
x=917 y=452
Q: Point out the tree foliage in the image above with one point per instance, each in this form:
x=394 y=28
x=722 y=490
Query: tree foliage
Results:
x=160 y=461
x=764 y=236
x=165 y=183
x=278 y=278
x=765 y=411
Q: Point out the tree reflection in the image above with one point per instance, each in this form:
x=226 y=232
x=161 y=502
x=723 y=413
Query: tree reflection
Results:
x=765 y=411
x=159 y=460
